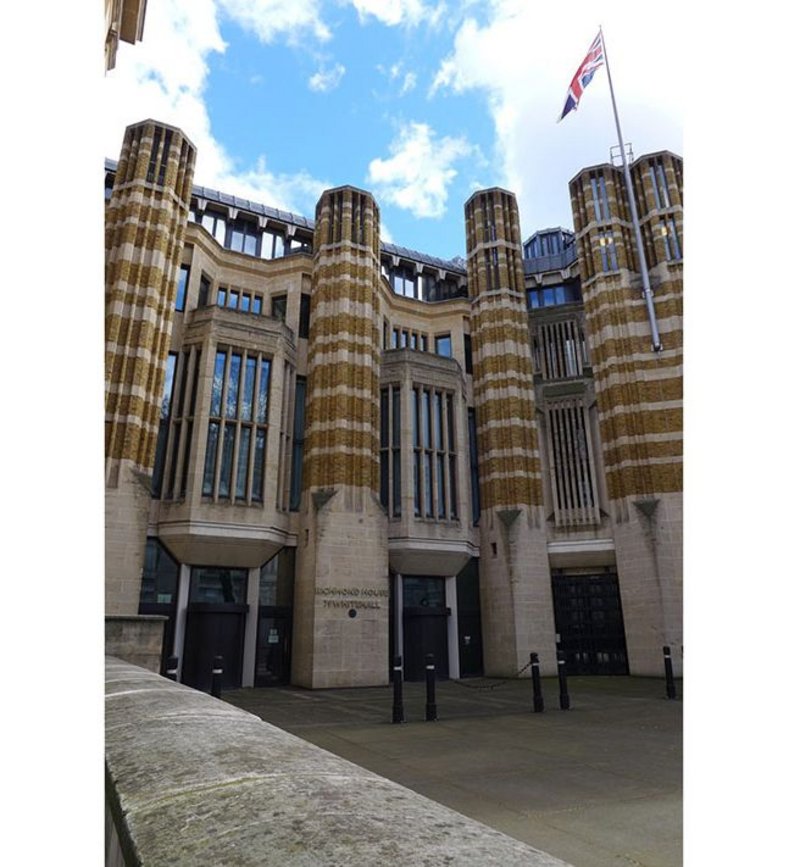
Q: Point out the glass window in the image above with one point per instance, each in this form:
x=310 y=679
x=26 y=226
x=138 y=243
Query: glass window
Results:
x=222 y=296
x=214 y=224
x=608 y=251
x=443 y=345
x=238 y=417
x=163 y=424
x=245 y=304
x=183 y=280
x=305 y=315
x=205 y=286
x=217 y=585
x=159 y=575
x=279 y=307
x=423 y=592
x=298 y=442
x=257 y=304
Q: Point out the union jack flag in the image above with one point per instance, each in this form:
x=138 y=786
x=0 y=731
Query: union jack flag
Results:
x=593 y=61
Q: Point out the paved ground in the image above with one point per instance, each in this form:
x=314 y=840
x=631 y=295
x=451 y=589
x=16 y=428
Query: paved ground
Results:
x=598 y=785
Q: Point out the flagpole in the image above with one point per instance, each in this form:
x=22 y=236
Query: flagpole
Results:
x=648 y=292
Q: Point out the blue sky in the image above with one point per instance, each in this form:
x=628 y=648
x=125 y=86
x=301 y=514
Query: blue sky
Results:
x=419 y=101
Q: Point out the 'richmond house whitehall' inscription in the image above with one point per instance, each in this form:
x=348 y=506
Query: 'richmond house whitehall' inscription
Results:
x=352 y=597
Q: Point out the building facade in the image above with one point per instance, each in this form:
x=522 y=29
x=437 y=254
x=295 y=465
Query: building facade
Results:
x=324 y=450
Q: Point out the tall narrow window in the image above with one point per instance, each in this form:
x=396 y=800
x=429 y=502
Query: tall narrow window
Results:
x=390 y=472
x=599 y=197
x=182 y=424
x=305 y=315
x=659 y=180
x=473 y=466
x=183 y=281
x=669 y=236
x=163 y=424
x=608 y=251
x=467 y=353
x=298 y=442
x=237 y=427
x=205 y=288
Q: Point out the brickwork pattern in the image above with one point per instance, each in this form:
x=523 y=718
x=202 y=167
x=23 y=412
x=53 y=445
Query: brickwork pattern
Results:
x=344 y=355
x=509 y=466
x=639 y=392
x=145 y=225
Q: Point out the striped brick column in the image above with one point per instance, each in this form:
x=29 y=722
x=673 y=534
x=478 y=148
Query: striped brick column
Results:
x=342 y=602
x=514 y=574
x=145 y=223
x=639 y=393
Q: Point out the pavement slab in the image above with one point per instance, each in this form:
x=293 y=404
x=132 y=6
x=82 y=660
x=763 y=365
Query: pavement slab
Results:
x=599 y=785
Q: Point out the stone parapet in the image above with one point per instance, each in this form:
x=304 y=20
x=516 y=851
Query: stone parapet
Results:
x=138 y=639
x=191 y=780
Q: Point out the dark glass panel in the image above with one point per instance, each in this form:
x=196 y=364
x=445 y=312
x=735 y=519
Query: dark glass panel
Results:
x=242 y=462
x=263 y=391
x=234 y=375
x=183 y=279
x=258 y=464
x=159 y=575
x=211 y=459
x=226 y=467
x=218 y=585
x=249 y=388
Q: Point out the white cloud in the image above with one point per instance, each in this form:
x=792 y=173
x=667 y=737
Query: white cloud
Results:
x=326 y=79
x=393 y=12
x=521 y=61
x=271 y=18
x=164 y=77
x=419 y=171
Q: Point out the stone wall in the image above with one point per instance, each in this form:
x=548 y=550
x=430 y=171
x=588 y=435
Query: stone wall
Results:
x=191 y=780
x=137 y=639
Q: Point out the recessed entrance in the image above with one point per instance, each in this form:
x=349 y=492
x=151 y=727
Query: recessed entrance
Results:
x=588 y=617
x=215 y=623
x=424 y=626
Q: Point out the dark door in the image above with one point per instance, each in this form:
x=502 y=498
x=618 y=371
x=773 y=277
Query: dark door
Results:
x=213 y=630
x=588 y=616
x=425 y=631
x=274 y=645
x=424 y=626
x=215 y=622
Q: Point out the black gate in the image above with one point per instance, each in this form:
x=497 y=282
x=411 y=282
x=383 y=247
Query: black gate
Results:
x=588 y=617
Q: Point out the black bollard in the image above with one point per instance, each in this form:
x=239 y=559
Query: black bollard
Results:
x=216 y=677
x=397 y=676
x=172 y=668
x=563 y=695
x=430 y=682
x=668 y=671
x=538 y=701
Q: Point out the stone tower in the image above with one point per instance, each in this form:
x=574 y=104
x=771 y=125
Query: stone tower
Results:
x=515 y=579
x=342 y=587
x=639 y=390
x=145 y=223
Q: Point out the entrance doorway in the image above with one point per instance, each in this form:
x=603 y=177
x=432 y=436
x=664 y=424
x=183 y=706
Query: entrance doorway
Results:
x=588 y=617
x=273 y=647
x=424 y=626
x=215 y=624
